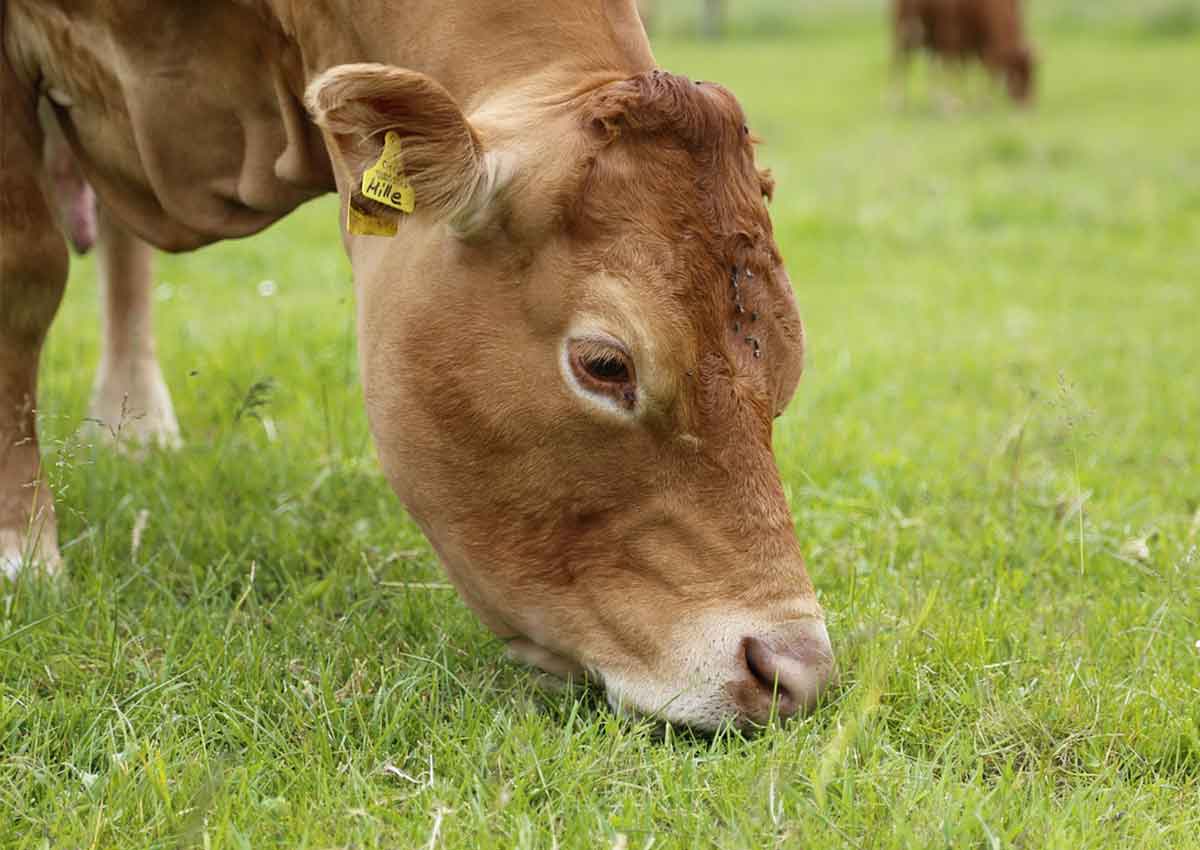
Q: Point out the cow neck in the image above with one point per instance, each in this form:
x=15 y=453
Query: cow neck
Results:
x=477 y=49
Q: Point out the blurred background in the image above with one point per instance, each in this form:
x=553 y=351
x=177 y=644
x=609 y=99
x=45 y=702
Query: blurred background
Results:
x=783 y=19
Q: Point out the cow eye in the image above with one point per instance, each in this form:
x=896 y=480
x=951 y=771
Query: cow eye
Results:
x=607 y=368
x=603 y=367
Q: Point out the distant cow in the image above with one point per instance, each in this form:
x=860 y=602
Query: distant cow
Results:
x=959 y=31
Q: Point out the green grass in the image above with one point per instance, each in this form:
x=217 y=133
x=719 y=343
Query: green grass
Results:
x=1002 y=312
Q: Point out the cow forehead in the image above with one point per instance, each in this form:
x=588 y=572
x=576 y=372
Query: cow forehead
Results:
x=708 y=204
x=668 y=236
x=673 y=183
x=699 y=299
x=652 y=182
x=672 y=154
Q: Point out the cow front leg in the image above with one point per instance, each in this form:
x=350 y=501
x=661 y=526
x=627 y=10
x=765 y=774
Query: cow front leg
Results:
x=131 y=405
x=33 y=274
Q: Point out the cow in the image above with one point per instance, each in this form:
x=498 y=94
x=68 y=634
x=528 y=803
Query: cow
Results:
x=575 y=328
x=959 y=31
x=74 y=200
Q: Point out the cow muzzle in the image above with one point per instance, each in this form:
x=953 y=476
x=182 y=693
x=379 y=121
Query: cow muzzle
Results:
x=728 y=668
x=787 y=672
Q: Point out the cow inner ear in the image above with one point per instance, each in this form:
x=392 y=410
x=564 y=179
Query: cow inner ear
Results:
x=409 y=120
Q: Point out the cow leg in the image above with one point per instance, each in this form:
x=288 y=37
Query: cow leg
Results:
x=130 y=401
x=907 y=37
x=950 y=73
x=33 y=275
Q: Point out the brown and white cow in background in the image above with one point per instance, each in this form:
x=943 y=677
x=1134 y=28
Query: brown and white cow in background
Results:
x=991 y=32
x=572 y=348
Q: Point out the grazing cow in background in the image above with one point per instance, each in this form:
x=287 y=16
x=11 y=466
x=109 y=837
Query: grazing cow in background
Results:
x=574 y=325
x=959 y=31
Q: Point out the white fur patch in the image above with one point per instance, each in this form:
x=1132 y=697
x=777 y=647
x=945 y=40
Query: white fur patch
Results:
x=495 y=173
x=60 y=98
x=690 y=685
x=11 y=564
x=17 y=555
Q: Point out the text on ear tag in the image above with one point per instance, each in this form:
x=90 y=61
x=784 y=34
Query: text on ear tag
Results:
x=385 y=181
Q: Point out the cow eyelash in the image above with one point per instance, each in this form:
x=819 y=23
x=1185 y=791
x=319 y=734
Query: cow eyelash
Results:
x=607 y=367
x=603 y=367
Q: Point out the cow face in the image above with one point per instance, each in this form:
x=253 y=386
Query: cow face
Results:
x=572 y=354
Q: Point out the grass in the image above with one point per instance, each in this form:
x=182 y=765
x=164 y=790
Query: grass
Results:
x=994 y=463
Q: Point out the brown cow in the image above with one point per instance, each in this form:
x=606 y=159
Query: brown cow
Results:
x=574 y=325
x=957 y=31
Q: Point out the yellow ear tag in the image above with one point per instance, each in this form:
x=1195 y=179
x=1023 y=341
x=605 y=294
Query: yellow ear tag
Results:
x=364 y=224
x=385 y=181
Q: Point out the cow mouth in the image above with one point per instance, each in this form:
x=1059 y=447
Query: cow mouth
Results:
x=556 y=672
x=535 y=655
x=737 y=672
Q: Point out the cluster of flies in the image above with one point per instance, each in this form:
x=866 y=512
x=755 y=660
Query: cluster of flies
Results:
x=739 y=310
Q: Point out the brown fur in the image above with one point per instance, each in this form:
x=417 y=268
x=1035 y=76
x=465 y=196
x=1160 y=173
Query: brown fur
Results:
x=988 y=31
x=33 y=274
x=656 y=127
x=564 y=187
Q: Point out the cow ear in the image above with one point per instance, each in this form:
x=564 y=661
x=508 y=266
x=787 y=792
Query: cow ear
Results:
x=363 y=107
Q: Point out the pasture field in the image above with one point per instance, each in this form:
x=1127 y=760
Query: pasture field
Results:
x=993 y=460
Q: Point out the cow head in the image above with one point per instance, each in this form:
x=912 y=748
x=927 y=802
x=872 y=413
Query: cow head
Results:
x=572 y=354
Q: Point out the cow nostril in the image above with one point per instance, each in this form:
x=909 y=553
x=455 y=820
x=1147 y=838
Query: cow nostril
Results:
x=762 y=662
x=789 y=673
